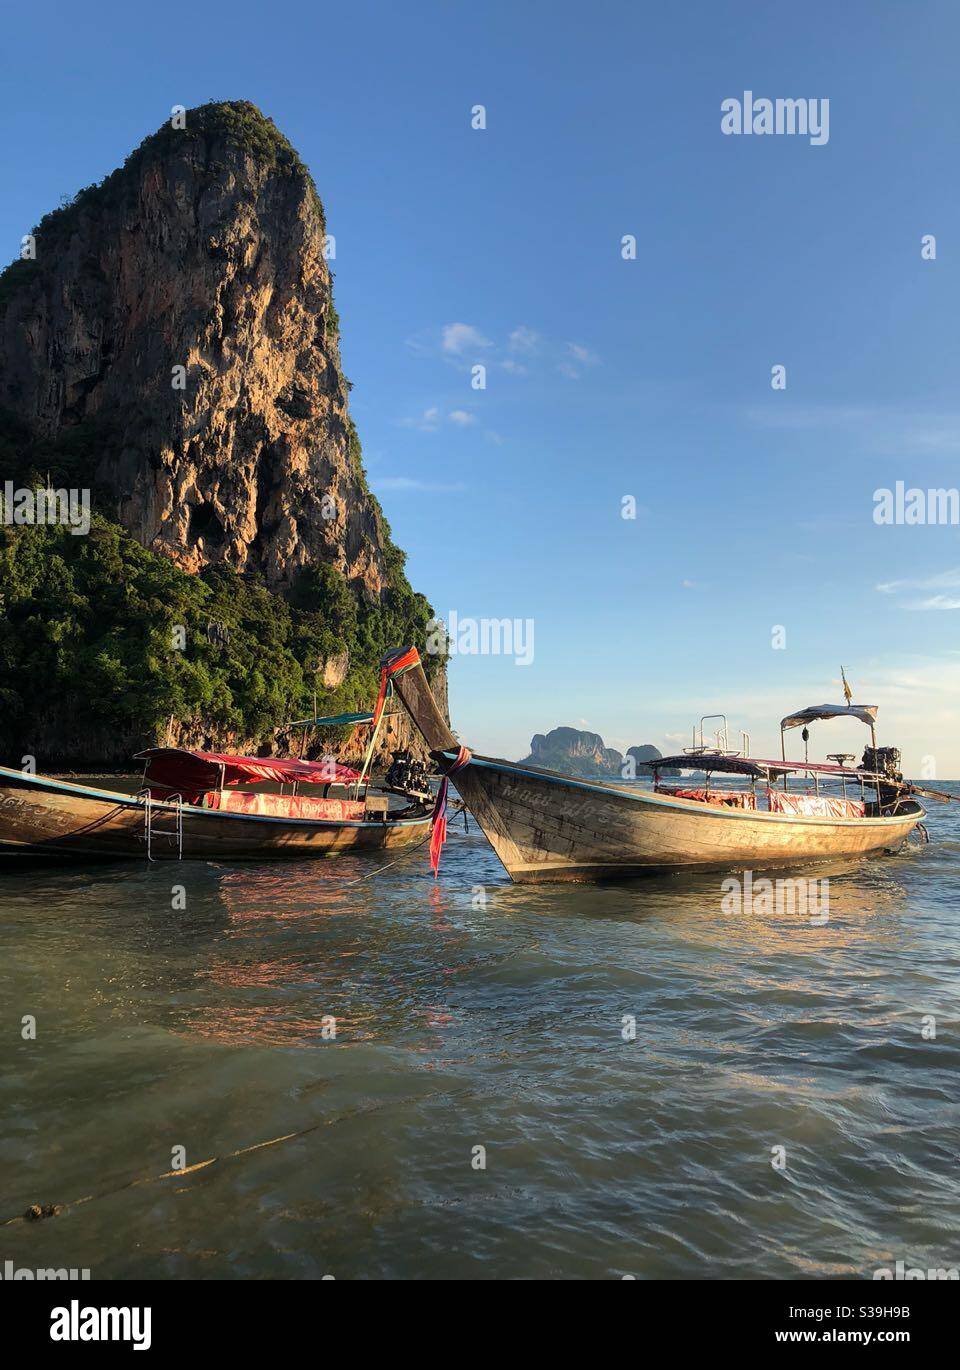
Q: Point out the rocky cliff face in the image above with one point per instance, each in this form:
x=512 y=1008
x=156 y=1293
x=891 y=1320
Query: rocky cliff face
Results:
x=170 y=341
x=206 y=253
x=568 y=748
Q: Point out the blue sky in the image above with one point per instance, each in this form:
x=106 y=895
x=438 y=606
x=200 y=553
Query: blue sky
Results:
x=606 y=377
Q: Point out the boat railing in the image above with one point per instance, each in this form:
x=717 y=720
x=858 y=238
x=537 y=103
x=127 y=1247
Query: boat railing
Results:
x=721 y=733
x=721 y=745
x=150 y=831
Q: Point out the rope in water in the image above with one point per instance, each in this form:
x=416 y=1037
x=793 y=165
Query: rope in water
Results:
x=460 y=808
x=38 y=1211
x=369 y=875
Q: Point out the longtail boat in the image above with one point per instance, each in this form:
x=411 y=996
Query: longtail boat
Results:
x=191 y=804
x=550 y=827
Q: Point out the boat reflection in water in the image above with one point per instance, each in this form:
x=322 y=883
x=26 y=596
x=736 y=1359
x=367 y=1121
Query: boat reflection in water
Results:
x=306 y=949
x=394 y=960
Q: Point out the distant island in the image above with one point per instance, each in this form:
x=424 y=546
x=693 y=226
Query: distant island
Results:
x=582 y=753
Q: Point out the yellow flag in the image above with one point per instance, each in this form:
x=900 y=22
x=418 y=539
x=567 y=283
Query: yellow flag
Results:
x=847 y=692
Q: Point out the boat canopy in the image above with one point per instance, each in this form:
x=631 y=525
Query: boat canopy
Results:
x=188 y=770
x=866 y=713
x=752 y=766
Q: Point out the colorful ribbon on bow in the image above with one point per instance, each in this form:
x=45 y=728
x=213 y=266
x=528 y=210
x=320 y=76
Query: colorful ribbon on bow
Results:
x=438 y=828
x=395 y=667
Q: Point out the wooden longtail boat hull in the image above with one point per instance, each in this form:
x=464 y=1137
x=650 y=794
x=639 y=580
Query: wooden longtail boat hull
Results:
x=549 y=827
x=40 y=816
x=555 y=828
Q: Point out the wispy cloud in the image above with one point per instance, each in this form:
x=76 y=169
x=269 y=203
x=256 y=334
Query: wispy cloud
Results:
x=457 y=338
x=432 y=419
x=934 y=602
x=520 y=353
x=945 y=580
x=577 y=358
x=582 y=354
x=427 y=422
x=523 y=339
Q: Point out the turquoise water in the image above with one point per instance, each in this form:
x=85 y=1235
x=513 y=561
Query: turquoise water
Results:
x=474 y=1013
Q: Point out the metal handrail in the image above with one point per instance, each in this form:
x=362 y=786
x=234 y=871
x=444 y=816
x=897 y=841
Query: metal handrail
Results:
x=149 y=804
x=722 y=747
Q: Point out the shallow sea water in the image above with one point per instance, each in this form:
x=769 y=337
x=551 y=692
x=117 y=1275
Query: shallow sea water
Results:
x=475 y=1013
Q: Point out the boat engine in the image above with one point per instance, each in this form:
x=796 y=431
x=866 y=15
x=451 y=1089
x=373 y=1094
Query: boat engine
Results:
x=883 y=761
x=408 y=776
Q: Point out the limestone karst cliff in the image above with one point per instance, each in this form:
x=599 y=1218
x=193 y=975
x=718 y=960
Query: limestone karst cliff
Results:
x=206 y=251
x=574 y=752
x=571 y=749
x=169 y=341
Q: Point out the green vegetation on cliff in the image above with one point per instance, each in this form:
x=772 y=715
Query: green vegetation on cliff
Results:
x=87 y=624
x=90 y=631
